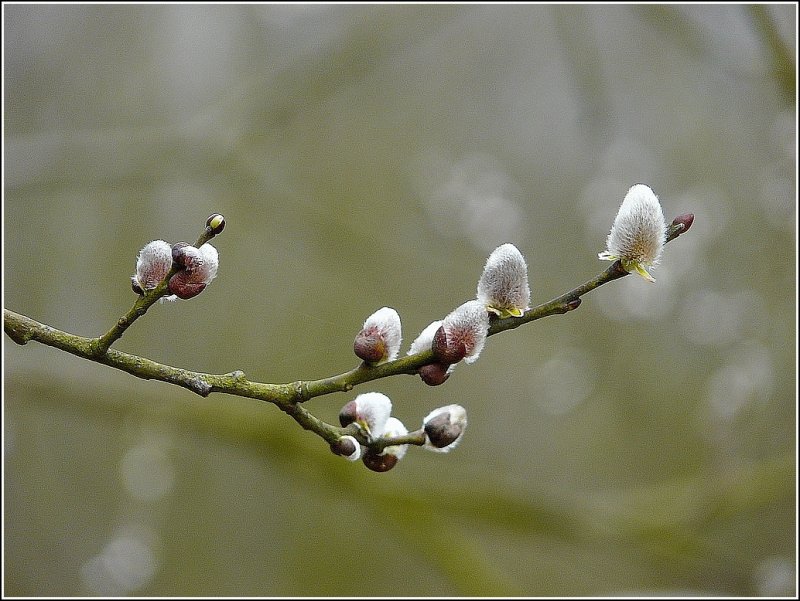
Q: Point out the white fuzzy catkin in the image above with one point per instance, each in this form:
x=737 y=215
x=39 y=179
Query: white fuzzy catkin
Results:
x=152 y=264
x=639 y=232
x=503 y=285
x=208 y=271
x=467 y=324
x=372 y=412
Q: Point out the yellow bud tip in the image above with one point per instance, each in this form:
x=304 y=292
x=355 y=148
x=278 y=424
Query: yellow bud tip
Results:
x=637 y=268
x=215 y=223
x=502 y=313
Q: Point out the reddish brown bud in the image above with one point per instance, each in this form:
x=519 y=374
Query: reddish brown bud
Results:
x=346 y=446
x=379 y=463
x=181 y=286
x=686 y=220
x=441 y=431
x=573 y=304
x=369 y=347
x=198 y=268
x=444 y=428
x=380 y=337
x=447 y=354
x=434 y=374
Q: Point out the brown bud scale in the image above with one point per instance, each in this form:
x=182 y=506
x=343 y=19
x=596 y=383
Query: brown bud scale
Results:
x=344 y=447
x=441 y=432
x=434 y=374
x=447 y=352
x=370 y=348
x=180 y=286
x=687 y=219
x=379 y=463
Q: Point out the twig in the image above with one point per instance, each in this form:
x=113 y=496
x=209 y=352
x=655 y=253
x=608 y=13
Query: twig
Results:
x=288 y=397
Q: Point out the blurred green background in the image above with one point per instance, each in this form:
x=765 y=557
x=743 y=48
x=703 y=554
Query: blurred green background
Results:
x=374 y=155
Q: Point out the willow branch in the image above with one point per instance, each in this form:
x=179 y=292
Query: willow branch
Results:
x=290 y=396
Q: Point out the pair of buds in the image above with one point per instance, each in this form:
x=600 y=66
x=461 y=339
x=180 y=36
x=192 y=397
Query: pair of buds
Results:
x=197 y=267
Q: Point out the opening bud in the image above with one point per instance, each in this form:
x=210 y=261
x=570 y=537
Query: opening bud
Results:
x=369 y=348
x=199 y=268
x=444 y=428
x=369 y=411
x=348 y=414
x=187 y=257
x=388 y=458
x=447 y=354
x=462 y=333
x=379 y=340
x=348 y=447
x=180 y=286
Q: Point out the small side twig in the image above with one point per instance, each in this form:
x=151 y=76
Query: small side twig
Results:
x=101 y=344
